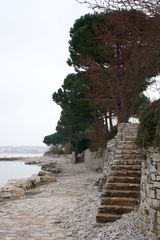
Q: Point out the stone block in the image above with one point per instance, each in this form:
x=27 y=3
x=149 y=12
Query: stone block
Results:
x=153 y=177
x=156 y=157
x=158 y=193
x=144 y=187
x=153 y=169
x=119 y=156
x=155 y=204
x=148 y=175
x=119 y=151
x=158 y=222
x=156 y=184
x=158 y=235
x=152 y=194
x=158 y=168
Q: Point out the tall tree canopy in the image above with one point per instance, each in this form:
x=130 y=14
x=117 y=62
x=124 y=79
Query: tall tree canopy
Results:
x=115 y=57
x=76 y=105
x=120 y=59
x=77 y=109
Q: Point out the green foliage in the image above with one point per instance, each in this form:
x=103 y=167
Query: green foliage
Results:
x=77 y=113
x=55 y=149
x=77 y=110
x=53 y=139
x=115 y=49
x=149 y=128
x=85 y=43
x=141 y=103
x=95 y=36
x=111 y=55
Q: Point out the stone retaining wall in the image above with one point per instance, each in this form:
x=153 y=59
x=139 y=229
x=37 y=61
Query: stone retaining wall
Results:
x=150 y=195
x=93 y=160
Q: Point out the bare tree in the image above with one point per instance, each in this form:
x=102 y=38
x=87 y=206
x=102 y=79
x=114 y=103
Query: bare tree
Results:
x=150 y=7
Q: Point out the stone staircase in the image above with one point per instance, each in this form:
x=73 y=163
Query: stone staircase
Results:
x=122 y=189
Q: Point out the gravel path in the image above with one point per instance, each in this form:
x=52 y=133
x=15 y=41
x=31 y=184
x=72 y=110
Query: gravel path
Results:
x=64 y=210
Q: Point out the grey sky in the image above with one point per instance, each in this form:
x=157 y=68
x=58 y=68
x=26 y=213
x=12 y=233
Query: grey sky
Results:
x=34 y=38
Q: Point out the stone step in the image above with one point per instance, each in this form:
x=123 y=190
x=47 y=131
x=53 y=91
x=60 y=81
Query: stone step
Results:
x=129 y=173
x=128 y=152
x=126 y=142
x=126 y=167
x=127 y=162
x=132 y=156
x=123 y=186
x=119 y=201
x=103 y=217
x=121 y=193
x=120 y=153
x=122 y=157
x=123 y=179
x=130 y=138
x=127 y=145
x=115 y=209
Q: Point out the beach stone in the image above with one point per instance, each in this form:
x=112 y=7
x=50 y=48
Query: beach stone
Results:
x=42 y=173
x=20 y=183
x=35 y=180
x=48 y=178
x=11 y=193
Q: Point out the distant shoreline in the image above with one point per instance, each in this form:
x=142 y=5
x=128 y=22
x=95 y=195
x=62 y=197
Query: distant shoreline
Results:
x=11 y=158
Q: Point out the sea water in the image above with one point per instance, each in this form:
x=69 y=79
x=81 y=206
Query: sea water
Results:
x=16 y=170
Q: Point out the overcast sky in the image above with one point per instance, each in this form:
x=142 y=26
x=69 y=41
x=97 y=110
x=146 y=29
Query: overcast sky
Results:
x=34 y=38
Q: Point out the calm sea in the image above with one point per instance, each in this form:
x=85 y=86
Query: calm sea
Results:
x=16 y=169
x=10 y=155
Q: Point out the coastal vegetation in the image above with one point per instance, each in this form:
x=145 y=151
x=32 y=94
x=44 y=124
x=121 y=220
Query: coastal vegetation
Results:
x=115 y=54
x=149 y=128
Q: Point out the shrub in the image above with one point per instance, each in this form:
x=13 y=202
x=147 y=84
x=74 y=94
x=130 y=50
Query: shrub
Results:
x=149 y=127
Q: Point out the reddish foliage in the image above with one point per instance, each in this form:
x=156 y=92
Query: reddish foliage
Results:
x=133 y=41
x=130 y=41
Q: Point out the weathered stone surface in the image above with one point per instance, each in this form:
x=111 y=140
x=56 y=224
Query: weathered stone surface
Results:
x=12 y=193
x=47 y=178
x=158 y=193
x=51 y=167
x=150 y=194
x=93 y=160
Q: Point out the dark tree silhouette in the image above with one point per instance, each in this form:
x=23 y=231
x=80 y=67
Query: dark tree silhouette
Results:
x=121 y=61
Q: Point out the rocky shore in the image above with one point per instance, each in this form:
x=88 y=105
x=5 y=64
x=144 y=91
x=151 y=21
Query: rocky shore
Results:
x=64 y=210
x=16 y=188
